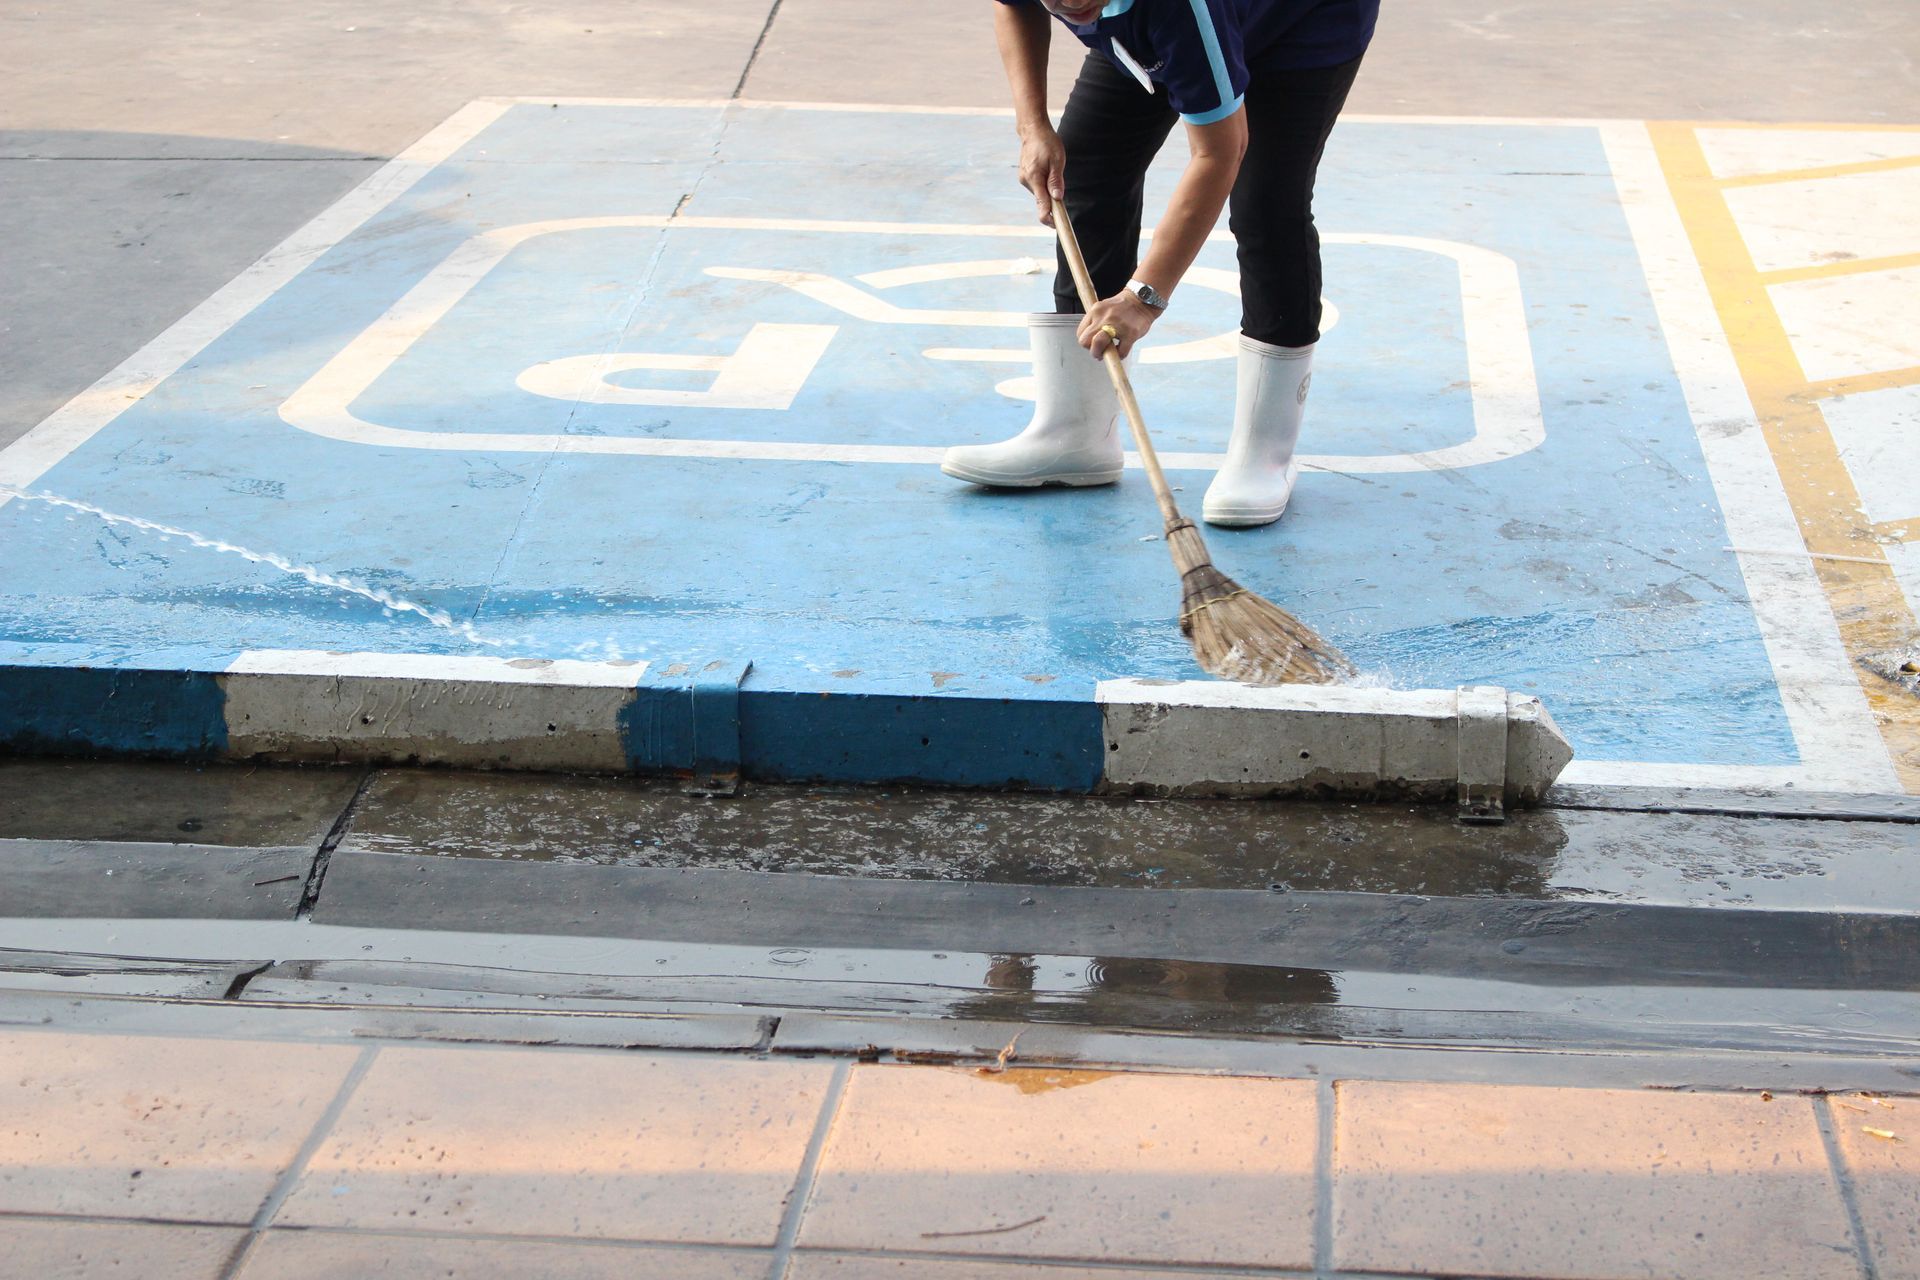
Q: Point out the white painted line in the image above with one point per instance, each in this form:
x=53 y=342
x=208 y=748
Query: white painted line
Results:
x=1720 y=777
x=1750 y=152
x=1839 y=743
x=1852 y=324
x=1502 y=381
x=1875 y=432
x=1006 y=113
x=1810 y=555
x=1219 y=695
x=565 y=672
x=23 y=462
x=1815 y=222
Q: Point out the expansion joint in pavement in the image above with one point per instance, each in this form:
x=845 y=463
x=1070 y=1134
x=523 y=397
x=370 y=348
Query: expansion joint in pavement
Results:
x=740 y=85
x=802 y=1192
x=1843 y=1181
x=323 y=857
x=284 y=1185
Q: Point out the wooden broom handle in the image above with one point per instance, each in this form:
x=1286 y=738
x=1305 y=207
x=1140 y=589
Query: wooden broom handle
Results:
x=1083 y=283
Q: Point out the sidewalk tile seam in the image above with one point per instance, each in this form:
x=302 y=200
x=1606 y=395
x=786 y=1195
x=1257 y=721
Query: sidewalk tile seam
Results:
x=360 y=1038
x=498 y=1237
x=800 y=1197
x=290 y=1176
x=1843 y=1184
x=1326 y=1104
x=475 y=1111
x=111 y=1220
x=1656 y=1096
x=508 y=1237
x=1129 y=1266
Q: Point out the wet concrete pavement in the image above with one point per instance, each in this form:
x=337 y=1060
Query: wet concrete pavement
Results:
x=303 y=1023
x=1568 y=928
x=1611 y=854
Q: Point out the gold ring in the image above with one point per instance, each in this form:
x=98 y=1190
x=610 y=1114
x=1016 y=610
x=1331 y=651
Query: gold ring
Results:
x=1110 y=331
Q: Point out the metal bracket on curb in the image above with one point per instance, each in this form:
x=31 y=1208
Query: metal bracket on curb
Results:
x=1482 y=747
x=685 y=723
x=715 y=695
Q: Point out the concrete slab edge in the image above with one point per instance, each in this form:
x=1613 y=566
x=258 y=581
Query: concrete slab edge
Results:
x=711 y=719
x=959 y=1043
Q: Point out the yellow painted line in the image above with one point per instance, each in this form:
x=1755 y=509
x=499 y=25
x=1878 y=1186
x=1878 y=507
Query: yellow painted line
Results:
x=1792 y=126
x=1822 y=171
x=1841 y=267
x=1867 y=602
x=1854 y=384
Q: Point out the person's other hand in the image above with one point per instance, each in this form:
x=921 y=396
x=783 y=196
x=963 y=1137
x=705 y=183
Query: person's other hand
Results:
x=1130 y=318
x=1043 y=169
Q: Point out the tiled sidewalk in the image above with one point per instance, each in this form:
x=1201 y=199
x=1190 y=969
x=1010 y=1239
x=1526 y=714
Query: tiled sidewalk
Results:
x=172 y=1159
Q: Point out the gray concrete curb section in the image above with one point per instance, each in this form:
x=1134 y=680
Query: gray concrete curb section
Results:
x=712 y=722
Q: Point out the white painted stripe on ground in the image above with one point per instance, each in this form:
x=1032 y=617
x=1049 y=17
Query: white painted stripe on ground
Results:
x=1859 y=323
x=1839 y=743
x=1720 y=777
x=1220 y=695
x=1736 y=152
x=434 y=666
x=1006 y=113
x=1815 y=222
x=23 y=462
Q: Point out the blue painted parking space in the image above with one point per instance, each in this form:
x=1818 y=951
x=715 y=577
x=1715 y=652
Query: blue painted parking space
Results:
x=668 y=382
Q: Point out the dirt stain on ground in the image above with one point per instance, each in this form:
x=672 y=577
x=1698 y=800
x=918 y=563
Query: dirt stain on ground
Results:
x=1032 y=1080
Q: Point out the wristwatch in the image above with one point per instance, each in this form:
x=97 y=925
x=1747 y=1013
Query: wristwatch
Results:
x=1147 y=294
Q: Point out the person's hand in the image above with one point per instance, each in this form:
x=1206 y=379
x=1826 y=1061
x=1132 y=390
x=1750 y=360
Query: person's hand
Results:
x=1043 y=168
x=1130 y=318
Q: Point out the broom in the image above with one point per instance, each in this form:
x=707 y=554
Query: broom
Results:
x=1236 y=635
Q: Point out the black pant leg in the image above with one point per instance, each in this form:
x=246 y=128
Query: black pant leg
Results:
x=1112 y=129
x=1289 y=115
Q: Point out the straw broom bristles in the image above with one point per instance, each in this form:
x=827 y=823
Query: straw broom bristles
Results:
x=1236 y=635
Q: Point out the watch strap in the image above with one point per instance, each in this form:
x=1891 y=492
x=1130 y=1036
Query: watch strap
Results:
x=1147 y=294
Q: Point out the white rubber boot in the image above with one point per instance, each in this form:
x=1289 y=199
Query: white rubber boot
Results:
x=1071 y=439
x=1254 y=485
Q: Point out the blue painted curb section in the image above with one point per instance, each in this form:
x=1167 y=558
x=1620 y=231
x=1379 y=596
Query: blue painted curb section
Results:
x=713 y=723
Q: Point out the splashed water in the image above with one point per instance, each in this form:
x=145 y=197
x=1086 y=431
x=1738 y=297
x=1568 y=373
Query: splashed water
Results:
x=318 y=577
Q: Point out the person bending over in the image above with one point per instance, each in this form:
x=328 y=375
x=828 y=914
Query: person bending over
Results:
x=1257 y=85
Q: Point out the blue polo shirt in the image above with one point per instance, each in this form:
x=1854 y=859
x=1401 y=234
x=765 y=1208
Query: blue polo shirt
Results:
x=1199 y=49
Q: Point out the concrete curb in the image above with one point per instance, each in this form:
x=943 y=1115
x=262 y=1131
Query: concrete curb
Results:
x=711 y=722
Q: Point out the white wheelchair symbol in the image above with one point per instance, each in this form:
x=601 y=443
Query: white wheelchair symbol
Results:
x=771 y=365
x=774 y=361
